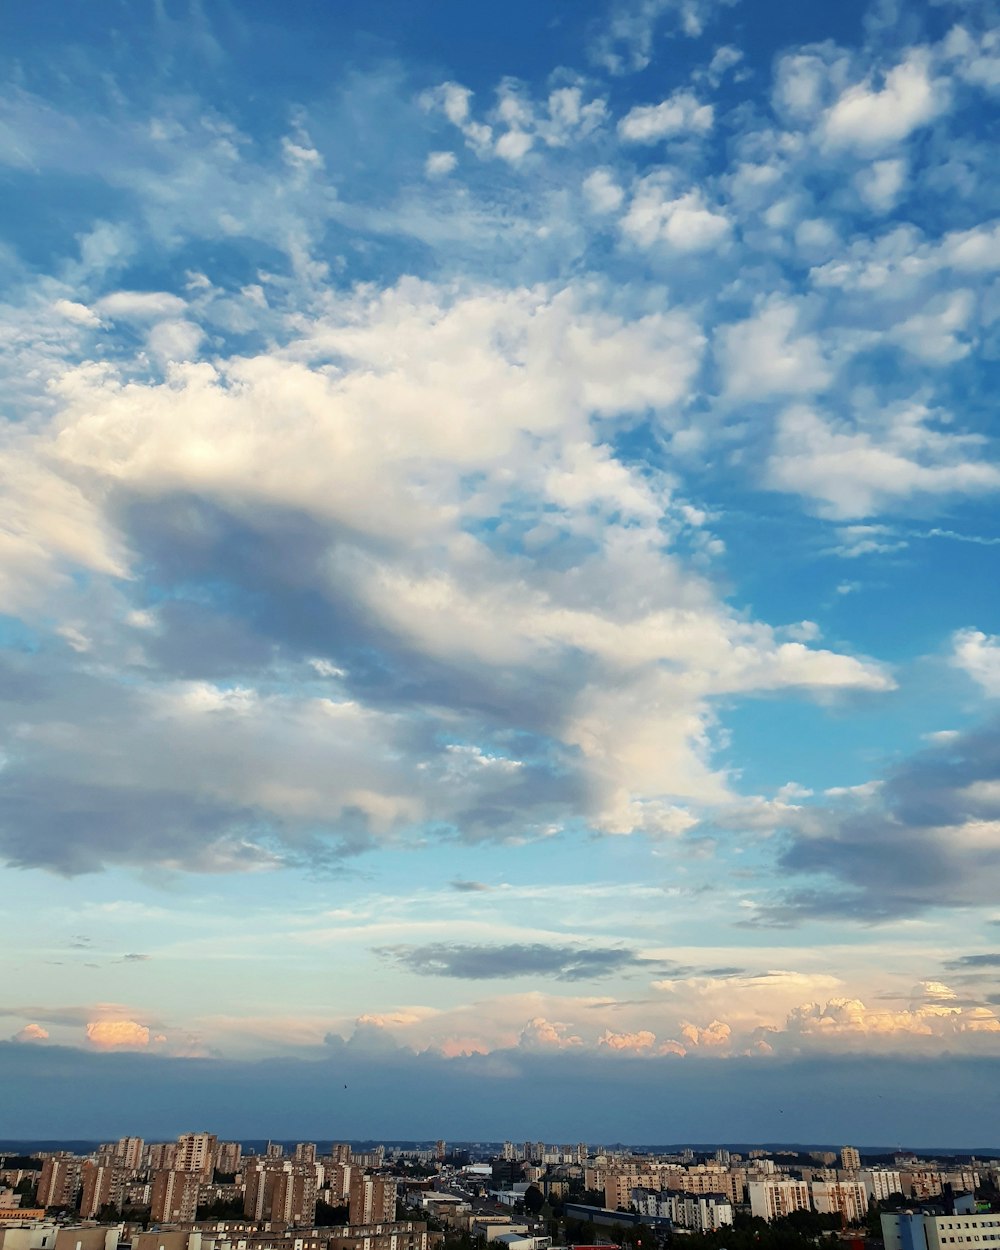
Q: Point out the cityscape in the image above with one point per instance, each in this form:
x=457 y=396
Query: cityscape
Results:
x=499 y=624
x=200 y=1193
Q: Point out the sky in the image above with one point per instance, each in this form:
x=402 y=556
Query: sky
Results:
x=498 y=568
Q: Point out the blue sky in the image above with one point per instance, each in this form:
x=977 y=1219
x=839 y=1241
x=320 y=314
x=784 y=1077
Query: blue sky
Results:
x=498 y=566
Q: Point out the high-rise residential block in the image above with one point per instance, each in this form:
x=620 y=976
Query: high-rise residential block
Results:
x=161 y=1156
x=59 y=1182
x=229 y=1156
x=195 y=1152
x=850 y=1159
x=772 y=1199
x=372 y=1199
x=128 y=1151
x=174 y=1196
x=848 y=1199
x=280 y=1191
x=102 y=1185
x=881 y=1183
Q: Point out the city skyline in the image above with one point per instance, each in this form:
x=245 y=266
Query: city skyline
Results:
x=498 y=564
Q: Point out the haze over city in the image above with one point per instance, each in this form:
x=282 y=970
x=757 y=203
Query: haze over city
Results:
x=498 y=571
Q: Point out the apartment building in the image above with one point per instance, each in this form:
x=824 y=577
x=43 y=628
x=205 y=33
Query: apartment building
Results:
x=881 y=1182
x=229 y=1156
x=371 y=1199
x=706 y=1213
x=196 y=1152
x=128 y=1151
x=773 y=1199
x=59 y=1182
x=913 y=1230
x=848 y=1199
x=173 y=1197
x=102 y=1185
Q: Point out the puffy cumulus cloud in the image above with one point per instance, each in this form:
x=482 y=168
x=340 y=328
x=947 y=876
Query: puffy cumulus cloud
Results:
x=974 y=56
x=939 y=333
x=624 y=42
x=684 y=222
x=871 y=117
x=602 y=192
x=480 y=537
x=806 y=81
x=672 y=1047
x=903 y=264
x=850 y=1018
x=78 y=313
x=978 y=655
x=855 y=470
x=714 y=1034
x=50 y=526
x=540 y=1033
x=768 y=354
x=640 y=1042
x=517 y=122
x=110 y=1034
x=31 y=1033
x=736 y=1003
x=438 y=164
x=881 y=184
x=680 y=115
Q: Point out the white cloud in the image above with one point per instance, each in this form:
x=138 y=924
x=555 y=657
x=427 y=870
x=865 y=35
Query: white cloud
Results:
x=602 y=192
x=872 y=119
x=516 y=123
x=547 y=1034
x=723 y=60
x=438 y=164
x=804 y=81
x=627 y=41
x=174 y=340
x=78 y=313
x=881 y=184
x=479 y=394
x=110 y=1034
x=514 y=145
x=301 y=155
x=679 y=115
x=766 y=355
x=936 y=333
x=854 y=472
x=31 y=1033
x=978 y=654
x=976 y=59
x=715 y=1034
x=642 y=1040
x=684 y=222
x=141 y=305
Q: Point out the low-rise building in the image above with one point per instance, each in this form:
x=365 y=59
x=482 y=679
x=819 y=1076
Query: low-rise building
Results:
x=916 y=1230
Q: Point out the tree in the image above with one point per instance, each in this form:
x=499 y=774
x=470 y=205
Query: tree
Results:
x=328 y=1215
x=221 y=1209
x=534 y=1200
